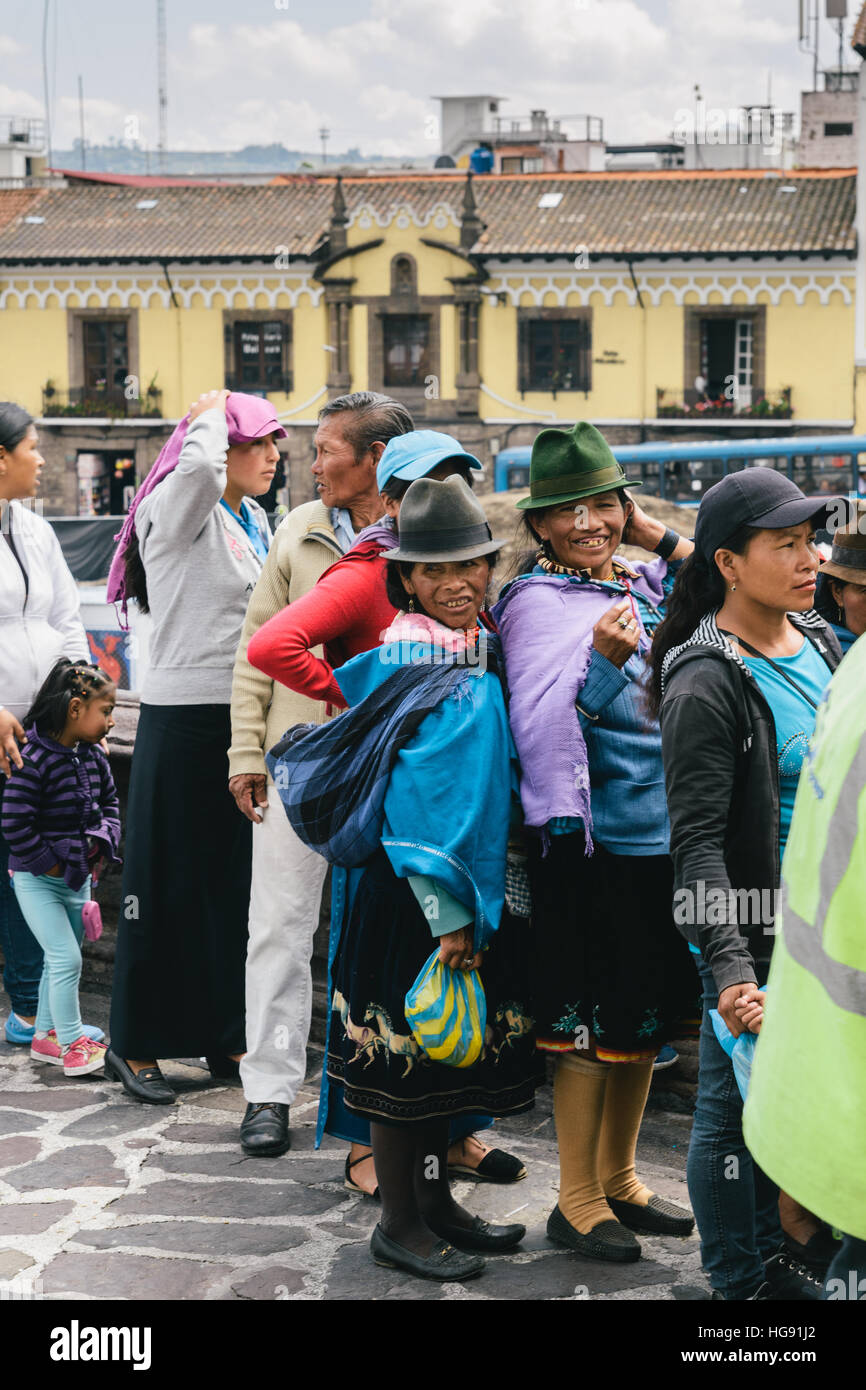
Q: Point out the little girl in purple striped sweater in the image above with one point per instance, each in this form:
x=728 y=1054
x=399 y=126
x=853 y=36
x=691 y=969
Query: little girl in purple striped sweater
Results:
x=60 y=816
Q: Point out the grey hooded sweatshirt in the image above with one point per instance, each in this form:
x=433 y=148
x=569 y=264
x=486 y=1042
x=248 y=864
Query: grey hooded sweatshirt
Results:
x=201 y=570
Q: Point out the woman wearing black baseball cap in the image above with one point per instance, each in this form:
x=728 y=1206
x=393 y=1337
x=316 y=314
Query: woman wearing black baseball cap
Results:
x=739 y=667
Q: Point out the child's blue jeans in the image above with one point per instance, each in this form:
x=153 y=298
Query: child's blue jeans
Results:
x=52 y=911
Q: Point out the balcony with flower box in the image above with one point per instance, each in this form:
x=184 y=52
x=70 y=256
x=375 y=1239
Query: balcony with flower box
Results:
x=702 y=406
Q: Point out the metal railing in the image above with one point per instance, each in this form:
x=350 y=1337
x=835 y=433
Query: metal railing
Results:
x=22 y=130
x=818 y=464
x=100 y=401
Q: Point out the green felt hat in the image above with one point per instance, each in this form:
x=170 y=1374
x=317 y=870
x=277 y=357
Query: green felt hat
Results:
x=569 y=464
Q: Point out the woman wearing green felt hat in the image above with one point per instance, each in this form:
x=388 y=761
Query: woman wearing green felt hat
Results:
x=612 y=979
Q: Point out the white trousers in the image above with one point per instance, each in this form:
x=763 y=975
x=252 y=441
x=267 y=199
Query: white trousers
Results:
x=285 y=899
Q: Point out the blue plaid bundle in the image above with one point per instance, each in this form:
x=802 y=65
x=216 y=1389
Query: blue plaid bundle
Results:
x=332 y=778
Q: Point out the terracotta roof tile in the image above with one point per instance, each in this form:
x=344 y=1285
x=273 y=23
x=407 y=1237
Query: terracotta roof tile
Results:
x=17 y=202
x=670 y=212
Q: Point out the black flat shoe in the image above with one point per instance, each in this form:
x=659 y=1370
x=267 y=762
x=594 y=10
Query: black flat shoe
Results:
x=223 y=1068
x=148 y=1085
x=496 y=1166
x=481 y=1235
x=444 y=1263
x=659 y=1217
x=607 y=1241
x=265 y=1129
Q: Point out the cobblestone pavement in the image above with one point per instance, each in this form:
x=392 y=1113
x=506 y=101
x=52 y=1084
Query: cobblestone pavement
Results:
x=104 y=1198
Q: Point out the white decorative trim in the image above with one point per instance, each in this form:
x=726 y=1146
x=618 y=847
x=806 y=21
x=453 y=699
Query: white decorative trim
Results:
x=321 y=391
x=85 y=283
x=512 y=405
x=597 y=420
x=88 y=421
x=401 y=215
x=726 y=279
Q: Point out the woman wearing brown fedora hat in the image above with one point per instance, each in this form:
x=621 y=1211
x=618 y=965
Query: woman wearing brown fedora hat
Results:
x=840 y=597
x=611 y=980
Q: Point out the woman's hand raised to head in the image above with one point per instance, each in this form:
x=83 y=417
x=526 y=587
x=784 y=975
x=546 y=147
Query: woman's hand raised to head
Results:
x=641 y=529
x=209 y=400
x=616 y=634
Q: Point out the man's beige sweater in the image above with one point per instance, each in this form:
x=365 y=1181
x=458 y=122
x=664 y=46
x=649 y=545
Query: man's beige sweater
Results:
x=303 y=547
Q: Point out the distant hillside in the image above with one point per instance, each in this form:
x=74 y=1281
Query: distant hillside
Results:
x=252 y=159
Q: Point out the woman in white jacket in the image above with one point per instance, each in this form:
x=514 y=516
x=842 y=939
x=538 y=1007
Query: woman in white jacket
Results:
x=39 y=622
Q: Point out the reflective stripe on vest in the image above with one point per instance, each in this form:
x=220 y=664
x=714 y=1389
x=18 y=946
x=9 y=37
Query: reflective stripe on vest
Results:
x=845 y=984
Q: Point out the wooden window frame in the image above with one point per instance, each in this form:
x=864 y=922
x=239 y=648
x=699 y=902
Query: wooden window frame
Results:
x=234 y=318
x=694 y=313
x=76 y=318
x=527 y=317
x=426 y=369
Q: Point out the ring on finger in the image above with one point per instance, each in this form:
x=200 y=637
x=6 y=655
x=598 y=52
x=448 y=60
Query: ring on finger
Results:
x=621 y=622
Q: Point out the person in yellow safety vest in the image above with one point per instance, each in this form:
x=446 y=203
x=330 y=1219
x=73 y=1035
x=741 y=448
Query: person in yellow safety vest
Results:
x=805 y=1116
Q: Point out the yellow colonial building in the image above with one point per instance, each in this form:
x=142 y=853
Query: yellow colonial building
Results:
x=665 y=305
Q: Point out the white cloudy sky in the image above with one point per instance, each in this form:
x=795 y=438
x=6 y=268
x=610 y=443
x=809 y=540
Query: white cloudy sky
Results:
x=256 y=71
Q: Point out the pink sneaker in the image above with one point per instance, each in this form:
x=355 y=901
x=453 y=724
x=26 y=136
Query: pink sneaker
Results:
x=47 y=1050
x=83 y=1056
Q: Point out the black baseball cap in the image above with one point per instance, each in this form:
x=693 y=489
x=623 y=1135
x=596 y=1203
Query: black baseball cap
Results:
x=759 y=497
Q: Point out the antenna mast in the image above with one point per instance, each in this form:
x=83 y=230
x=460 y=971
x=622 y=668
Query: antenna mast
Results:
x=161 y=79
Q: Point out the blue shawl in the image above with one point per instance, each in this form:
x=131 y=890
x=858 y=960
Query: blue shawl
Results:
x=421 y=763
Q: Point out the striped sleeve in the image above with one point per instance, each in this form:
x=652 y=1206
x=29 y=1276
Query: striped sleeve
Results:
x=21 y=801
x=109 y=805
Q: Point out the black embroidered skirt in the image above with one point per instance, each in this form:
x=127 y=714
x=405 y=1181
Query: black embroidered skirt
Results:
x=371 y=1051
x=606 y=954
x=182 y=935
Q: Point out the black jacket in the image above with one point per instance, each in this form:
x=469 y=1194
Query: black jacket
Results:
x=722 y=781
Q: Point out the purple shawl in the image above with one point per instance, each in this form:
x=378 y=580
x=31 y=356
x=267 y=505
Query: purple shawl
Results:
x=247 y=417
x=546 y=623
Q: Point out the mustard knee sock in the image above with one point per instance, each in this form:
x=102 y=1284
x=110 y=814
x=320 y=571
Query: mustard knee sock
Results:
x=624 y=1102
x=578 y=1106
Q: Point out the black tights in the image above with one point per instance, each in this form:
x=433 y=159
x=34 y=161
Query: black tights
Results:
x=412 y=1173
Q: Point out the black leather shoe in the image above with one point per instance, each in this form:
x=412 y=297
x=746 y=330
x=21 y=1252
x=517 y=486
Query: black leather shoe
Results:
x=223 y=1068
x=607 y=1241
x=659 y=1217
x=481 y=1235
x=265 y=1129
x=148 y=1085
x=495 y=1166
x=444 y=1263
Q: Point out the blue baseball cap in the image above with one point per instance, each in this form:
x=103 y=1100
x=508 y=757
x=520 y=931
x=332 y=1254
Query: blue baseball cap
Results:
x=413 y=455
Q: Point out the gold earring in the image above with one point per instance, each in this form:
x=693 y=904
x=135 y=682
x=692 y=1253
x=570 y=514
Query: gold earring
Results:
x=733 y=587
x=412 y=605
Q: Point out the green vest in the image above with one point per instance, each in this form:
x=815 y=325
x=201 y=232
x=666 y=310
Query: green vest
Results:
x=805 y=1117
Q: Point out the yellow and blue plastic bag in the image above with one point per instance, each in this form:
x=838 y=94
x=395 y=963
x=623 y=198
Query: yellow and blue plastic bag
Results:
x=447 y=1012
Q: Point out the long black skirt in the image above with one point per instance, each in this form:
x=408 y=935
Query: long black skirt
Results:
x=182 y=935
x=371 y=1051
x=607 y=960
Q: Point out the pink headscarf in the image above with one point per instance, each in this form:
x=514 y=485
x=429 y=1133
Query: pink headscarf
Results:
x=247 y=417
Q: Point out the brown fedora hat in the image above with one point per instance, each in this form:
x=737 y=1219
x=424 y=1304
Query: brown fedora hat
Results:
x=848 y=557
